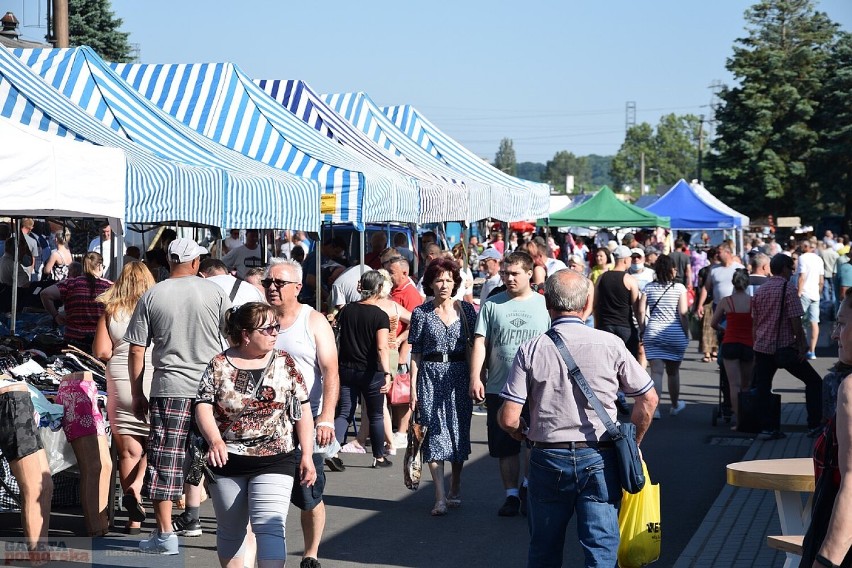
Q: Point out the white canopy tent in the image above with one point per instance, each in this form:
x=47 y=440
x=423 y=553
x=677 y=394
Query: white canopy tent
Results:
x=43 y=175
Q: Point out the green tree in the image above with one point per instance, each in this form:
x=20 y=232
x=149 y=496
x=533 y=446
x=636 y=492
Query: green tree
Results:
x=566 y=164
x=832 y=163
x=671 y=152
x=93 y=23
x=600 y=167
x=766 y=141
x=627 y=162
x=505 y=159
x=531 y=171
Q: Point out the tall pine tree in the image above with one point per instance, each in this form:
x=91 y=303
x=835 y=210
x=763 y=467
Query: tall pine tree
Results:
x=766 y=138
x=832 y=164
x=505 y=160
x=93 y=23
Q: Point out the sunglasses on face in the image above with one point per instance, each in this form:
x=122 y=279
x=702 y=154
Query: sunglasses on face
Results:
x=267 y=282
x=269 y=329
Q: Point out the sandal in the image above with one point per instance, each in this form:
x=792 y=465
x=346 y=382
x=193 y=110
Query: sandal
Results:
x=706 y=359
x=440 y=509
x=133 y=507
x=453 y=501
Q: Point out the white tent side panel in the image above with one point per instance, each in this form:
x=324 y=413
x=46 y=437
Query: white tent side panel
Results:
x=48 y=176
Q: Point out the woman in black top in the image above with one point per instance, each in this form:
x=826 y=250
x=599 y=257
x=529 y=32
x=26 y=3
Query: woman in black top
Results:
x=364 y=363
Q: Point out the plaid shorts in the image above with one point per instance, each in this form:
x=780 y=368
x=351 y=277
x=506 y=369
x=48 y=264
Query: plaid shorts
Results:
x=18 y=430
x=170 y=419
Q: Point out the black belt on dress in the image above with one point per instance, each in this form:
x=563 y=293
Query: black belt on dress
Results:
x=444 y=357
x=573 y=445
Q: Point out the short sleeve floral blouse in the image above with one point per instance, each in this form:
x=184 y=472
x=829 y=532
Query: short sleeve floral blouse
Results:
x=265 y=428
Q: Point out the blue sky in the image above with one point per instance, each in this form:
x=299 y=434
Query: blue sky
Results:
x=550 y=75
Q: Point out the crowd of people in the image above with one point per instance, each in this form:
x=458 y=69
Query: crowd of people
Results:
x=231 y=351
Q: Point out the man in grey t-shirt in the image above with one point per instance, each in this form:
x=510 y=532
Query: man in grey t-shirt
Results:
x=182 y=318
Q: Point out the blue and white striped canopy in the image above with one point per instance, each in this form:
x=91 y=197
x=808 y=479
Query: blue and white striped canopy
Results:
x=219 y=101
x=158 y=190
x=532 y=203
x=441 y=198
x=257 y=195
x=362 y=113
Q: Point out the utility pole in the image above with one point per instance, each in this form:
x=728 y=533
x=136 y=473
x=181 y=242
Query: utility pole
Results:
x=60 y=23
x=700 y=145
x=642 y=174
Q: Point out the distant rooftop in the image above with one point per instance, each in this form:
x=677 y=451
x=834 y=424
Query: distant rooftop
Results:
x=9 y=36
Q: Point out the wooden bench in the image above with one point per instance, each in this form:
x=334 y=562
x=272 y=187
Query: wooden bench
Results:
x=786 y=543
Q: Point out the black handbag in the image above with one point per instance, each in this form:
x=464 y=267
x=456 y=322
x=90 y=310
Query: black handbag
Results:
x=624 y=435
x=757 y=414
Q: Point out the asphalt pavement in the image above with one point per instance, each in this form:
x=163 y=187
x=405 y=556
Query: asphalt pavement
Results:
x=374 y=520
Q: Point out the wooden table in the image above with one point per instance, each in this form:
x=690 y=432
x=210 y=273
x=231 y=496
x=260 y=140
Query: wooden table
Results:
x=788 y=478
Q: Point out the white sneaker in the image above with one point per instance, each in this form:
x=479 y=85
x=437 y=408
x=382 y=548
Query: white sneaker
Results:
x=657 y=415
x=154 y=544
x=675 y=410
x=480 y=410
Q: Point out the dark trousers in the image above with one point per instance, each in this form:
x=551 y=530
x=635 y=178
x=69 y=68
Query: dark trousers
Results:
x=353 y=384
x=628 y=334
x=764 y=371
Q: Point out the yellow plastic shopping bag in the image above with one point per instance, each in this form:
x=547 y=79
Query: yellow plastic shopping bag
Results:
x=639 y=526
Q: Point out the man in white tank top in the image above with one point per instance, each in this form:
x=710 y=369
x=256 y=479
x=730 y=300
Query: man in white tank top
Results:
x=306 y=335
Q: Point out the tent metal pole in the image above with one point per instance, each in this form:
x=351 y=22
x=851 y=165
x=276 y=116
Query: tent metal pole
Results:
x=318 y=267
x=362 y=241
x=13 y=319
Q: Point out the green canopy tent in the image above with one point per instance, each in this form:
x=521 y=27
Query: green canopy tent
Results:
x=603 y=210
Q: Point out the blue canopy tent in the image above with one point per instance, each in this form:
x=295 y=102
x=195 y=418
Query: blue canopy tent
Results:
x=257 y=196
x=442 y=197
x=219 y=101
x=692 y=208
x=529 y=200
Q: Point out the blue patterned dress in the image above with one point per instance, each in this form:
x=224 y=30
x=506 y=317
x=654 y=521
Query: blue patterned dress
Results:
x=442 y=388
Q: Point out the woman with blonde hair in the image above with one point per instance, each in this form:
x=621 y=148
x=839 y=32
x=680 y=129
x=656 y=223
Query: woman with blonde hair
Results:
x=56 y=267
x=130 y=434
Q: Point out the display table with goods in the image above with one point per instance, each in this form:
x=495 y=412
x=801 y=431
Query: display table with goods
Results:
x=67 y=388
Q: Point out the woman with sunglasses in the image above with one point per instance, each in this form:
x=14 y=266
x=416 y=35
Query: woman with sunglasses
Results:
x=251 y=400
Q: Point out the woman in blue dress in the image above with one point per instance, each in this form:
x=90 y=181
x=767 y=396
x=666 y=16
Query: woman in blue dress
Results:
x=440 y=378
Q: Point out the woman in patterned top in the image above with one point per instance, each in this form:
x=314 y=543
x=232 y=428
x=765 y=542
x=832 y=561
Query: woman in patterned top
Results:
x=440 y=378
x=250 y=402
x=56 y=267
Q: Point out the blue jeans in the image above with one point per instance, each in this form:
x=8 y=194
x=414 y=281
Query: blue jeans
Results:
x=353 y=384
x=564 y=481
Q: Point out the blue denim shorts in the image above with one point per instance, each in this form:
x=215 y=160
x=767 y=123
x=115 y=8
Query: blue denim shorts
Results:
x=811 y=309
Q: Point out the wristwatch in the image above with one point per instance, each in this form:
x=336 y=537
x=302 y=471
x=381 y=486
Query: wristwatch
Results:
x=823 y=561
x=387 y=374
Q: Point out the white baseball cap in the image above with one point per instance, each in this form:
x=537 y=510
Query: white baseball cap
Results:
x=491 y=253
x=184 y=250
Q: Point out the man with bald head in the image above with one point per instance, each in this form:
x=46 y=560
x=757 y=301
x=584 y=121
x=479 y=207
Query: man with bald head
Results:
x=573 y=464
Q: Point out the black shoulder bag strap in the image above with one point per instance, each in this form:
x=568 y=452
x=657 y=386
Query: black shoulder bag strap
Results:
x=661 y=297
x=578 y=377
x=781 y=315
x=236 y=287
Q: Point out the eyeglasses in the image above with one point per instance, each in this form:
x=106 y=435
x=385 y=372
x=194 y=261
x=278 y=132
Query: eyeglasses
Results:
x=267 y=282
x=837 y=327
x=269 y=329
